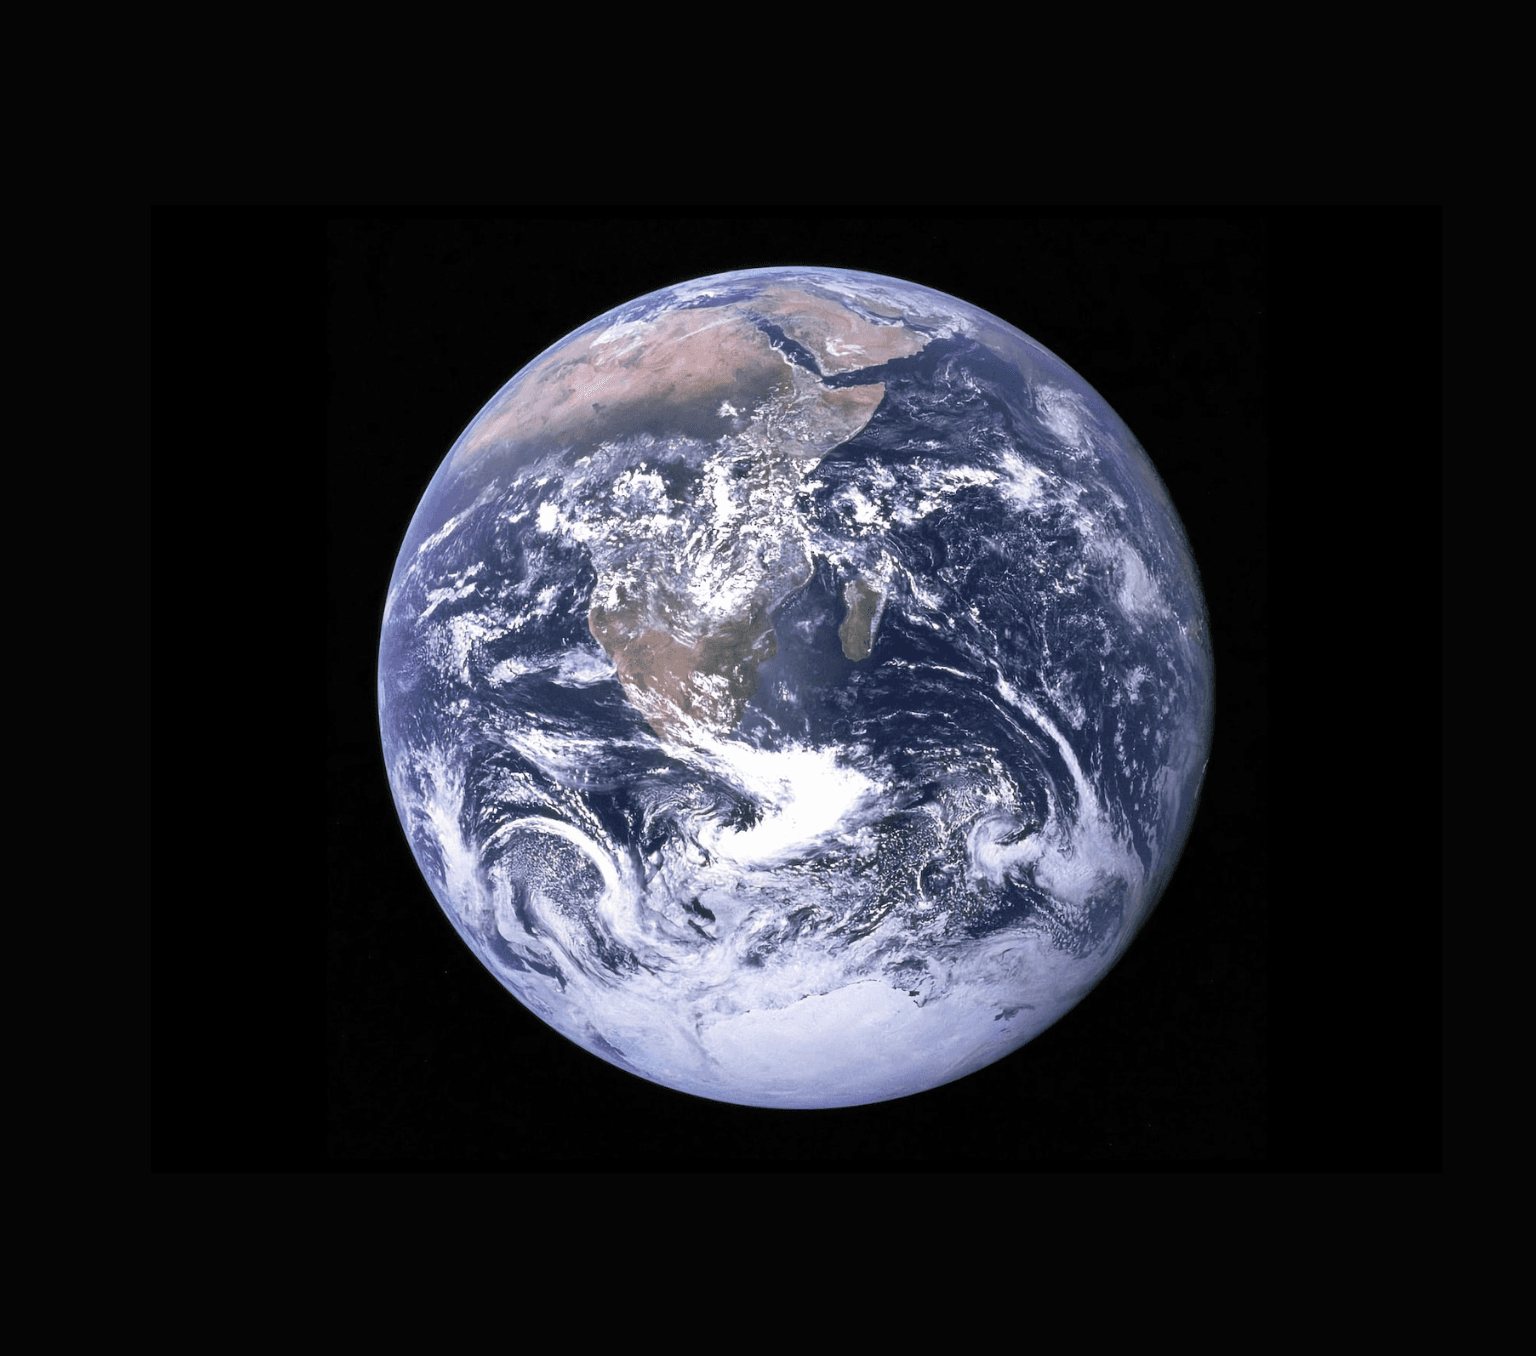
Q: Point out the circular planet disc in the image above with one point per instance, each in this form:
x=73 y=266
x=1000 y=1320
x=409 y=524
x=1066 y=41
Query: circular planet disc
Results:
x=795 y=687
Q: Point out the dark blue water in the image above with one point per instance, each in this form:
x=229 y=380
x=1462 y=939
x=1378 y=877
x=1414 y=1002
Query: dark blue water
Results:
x=797 y=353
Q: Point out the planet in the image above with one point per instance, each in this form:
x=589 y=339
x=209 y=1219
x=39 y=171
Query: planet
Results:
x=795 y=686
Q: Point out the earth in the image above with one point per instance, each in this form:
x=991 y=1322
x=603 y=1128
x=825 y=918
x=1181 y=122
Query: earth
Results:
x=796 y=688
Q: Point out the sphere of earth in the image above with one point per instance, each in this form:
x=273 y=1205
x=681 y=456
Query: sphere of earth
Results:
x=795 y=687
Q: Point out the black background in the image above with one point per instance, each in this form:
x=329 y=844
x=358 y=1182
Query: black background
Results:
x=1173 y=1060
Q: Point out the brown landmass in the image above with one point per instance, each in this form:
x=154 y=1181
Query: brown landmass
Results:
x=857 y=631
x=589 y=388
x=841 y=340
x=584 y=390
x=709 y=680
x=808 y=420
x=711 y=374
